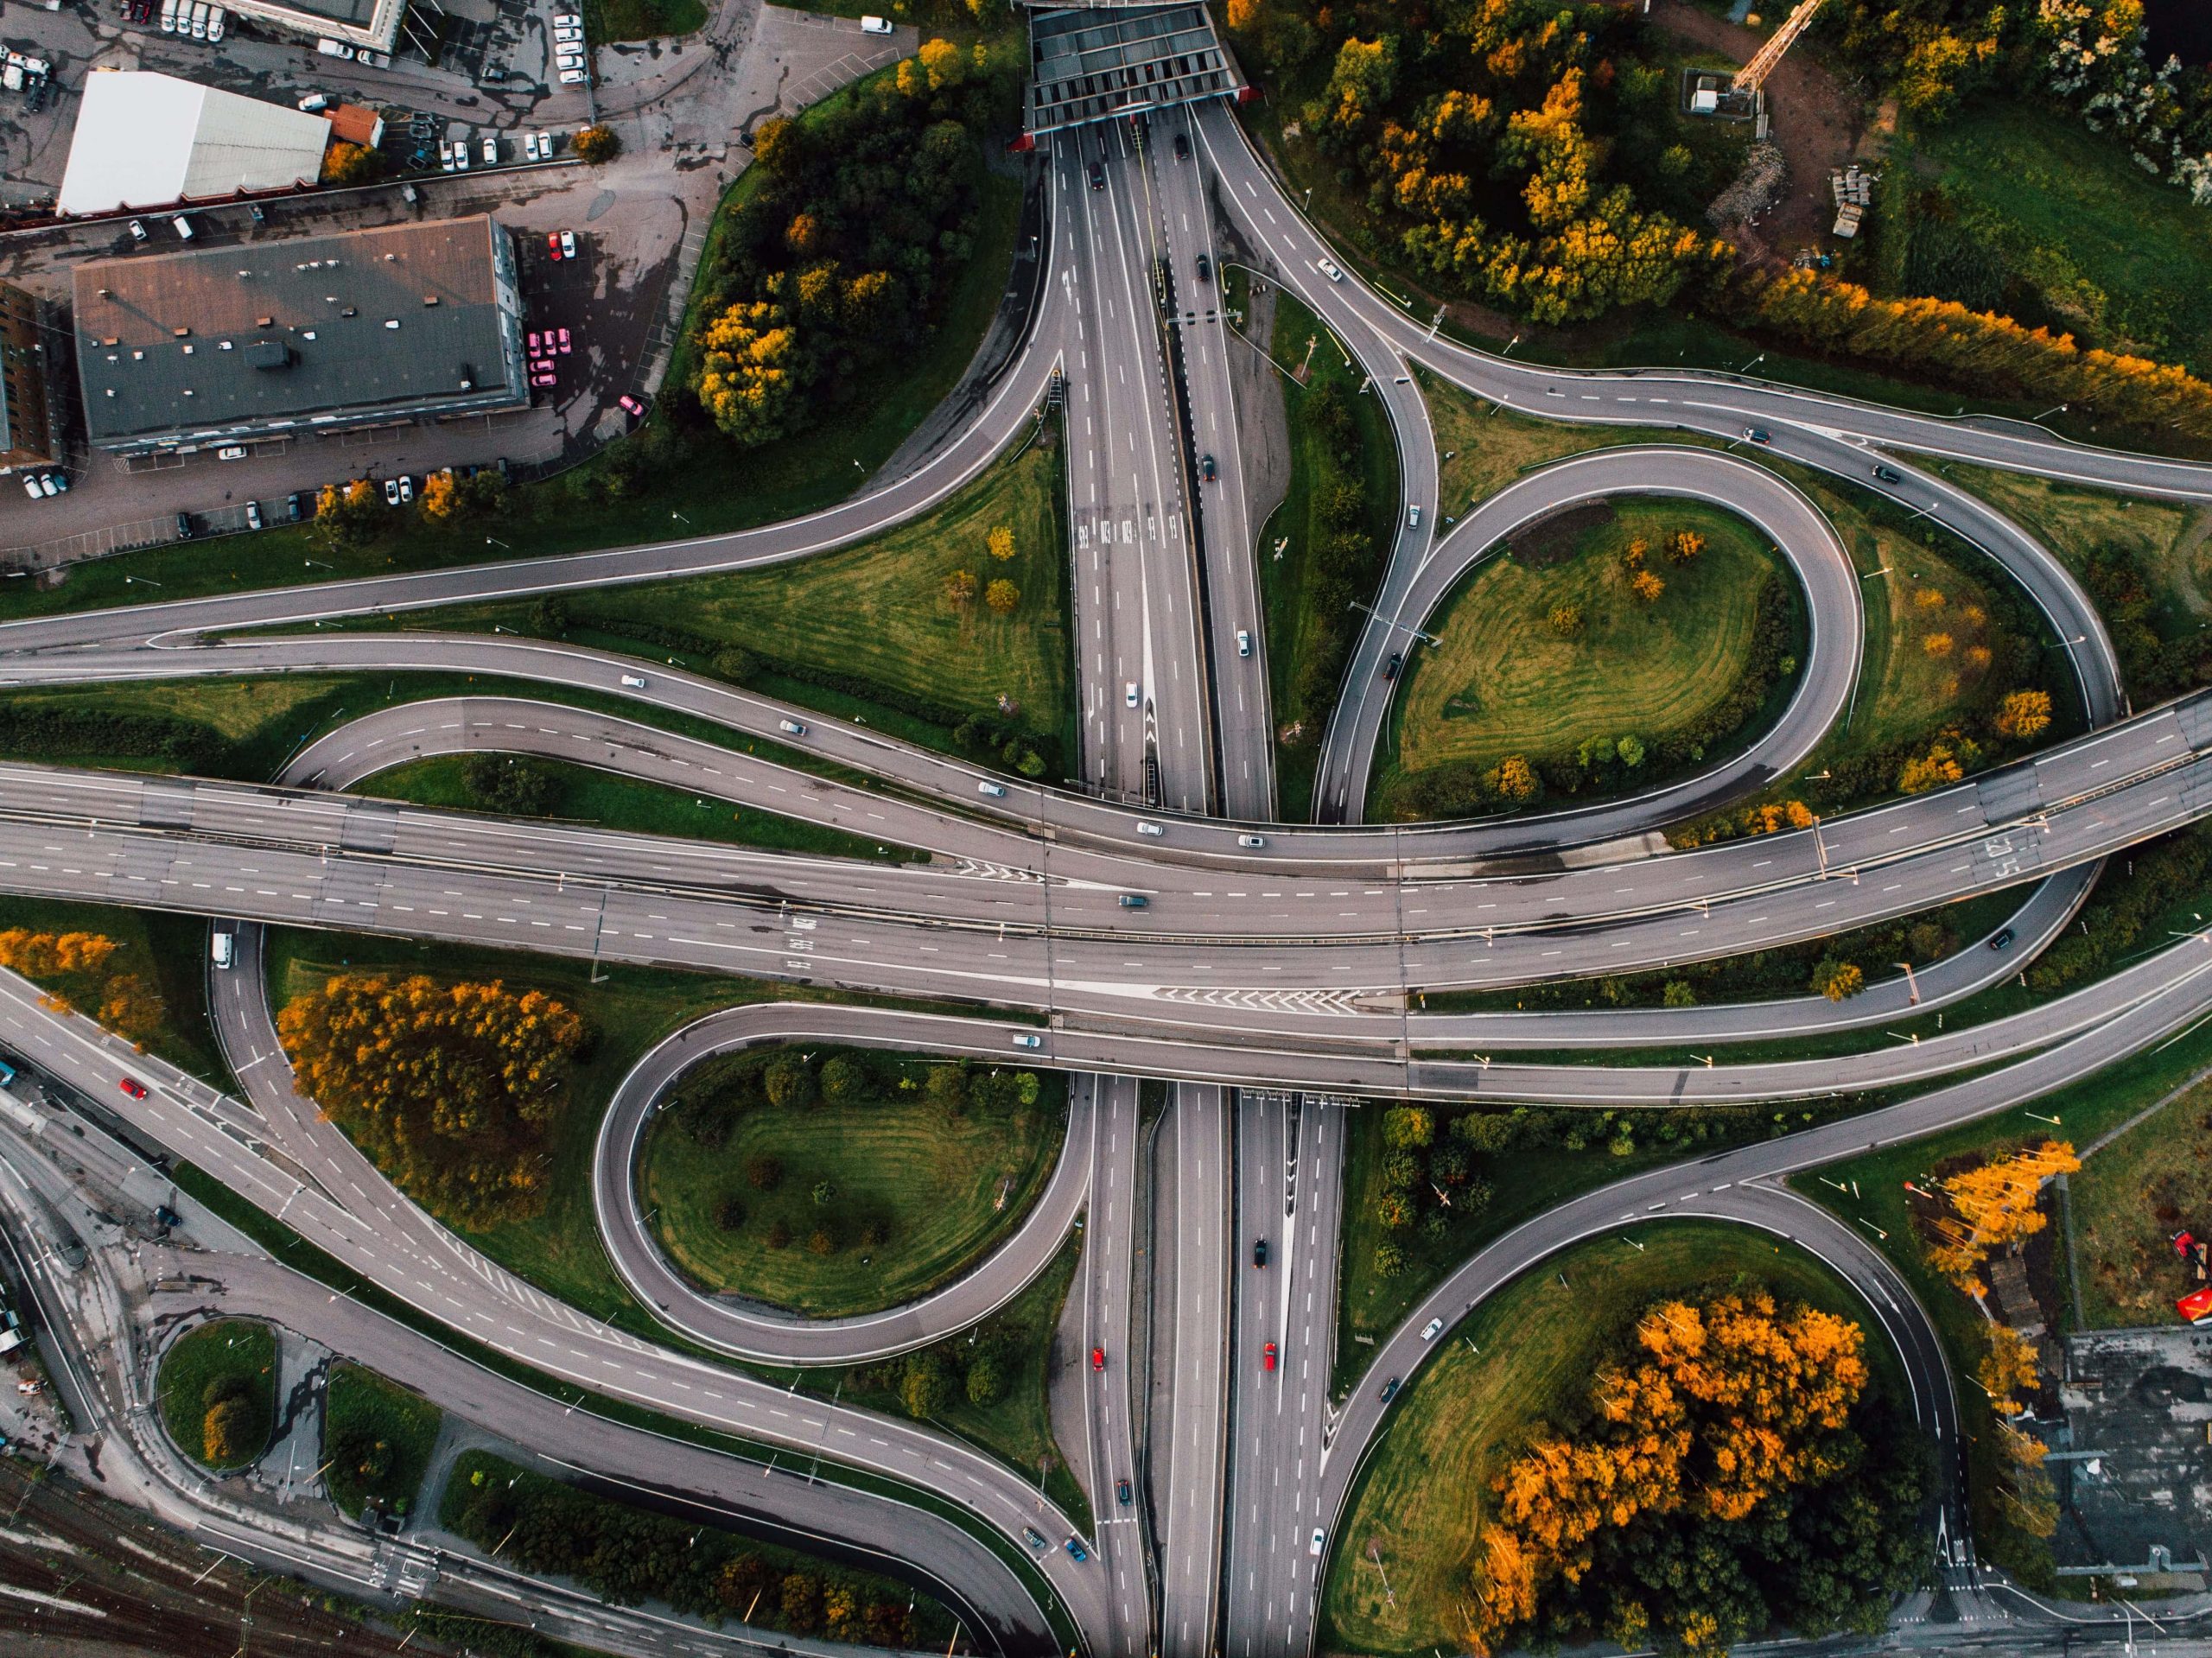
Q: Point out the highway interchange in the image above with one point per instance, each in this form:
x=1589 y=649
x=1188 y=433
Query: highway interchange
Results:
x=1264 y=983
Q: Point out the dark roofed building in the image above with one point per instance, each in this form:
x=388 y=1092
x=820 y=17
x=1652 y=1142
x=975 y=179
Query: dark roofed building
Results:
x=285 y=338
x=26 y=424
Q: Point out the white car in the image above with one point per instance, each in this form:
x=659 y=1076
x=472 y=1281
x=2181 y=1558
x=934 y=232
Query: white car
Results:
x=1253 y=841
x=46 y=487
x=230 y=452
x=1328 y=268
x=1243 y=642
x=569 y=36
x=491 y=154
x=635 y=681
x=1320 y=1538
x=1428 y=1331
x=568 y=19
x=1130 y=695
x=792 y=727
x=1027 y=1041
x=215 y=25
x=374 y=59
x=996 y=791
x=1413 y=516
x=574 y=77
x=31 y=488
x=1144 y=828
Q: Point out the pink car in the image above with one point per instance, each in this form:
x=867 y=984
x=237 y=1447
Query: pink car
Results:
x=544 y=379
x=631 y=406
x=562 y=334
x=532 y=338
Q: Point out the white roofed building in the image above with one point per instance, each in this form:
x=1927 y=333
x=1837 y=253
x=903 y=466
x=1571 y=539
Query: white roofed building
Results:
x=145 y=140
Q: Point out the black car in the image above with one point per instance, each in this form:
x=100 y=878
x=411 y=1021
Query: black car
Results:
x=1259 y=1252
x=1390 y=668
x=1205 y=268
x=1098 y=176
x=1757 y=435
x=1389 y=1390
x=1121 y=1492
x=184 y=526
x=1888 y=474
x=1205 y=468
x=1182 y=148
x=2003 y=938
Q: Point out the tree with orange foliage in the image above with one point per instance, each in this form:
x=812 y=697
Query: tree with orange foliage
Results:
x=52 y=954
x=1512 y=780
x=2008 y=1370
x=1993 y=1204
x=1726 y=1405
x=1647 y=587
x=1687 y=545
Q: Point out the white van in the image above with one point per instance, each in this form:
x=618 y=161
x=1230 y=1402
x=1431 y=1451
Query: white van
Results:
x=184 y=231
x=222 y=949
x=876 y=25
x=330 y=48
x=215 y=25
x=169 y=16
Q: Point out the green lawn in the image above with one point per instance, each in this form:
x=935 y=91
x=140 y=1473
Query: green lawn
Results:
x=1295 y=630
x=377 y=1438
x=641 y=20
x=867 y=631
x=586 y=794
x=208 y=1363
x=169 y=951
x=1523 y=1358
x=2129 y=1201
x=1869 y=1192
x=938 y=1191
x=704 y=488
x=1488 y=450
x=1502 y=682
x=2118 y=256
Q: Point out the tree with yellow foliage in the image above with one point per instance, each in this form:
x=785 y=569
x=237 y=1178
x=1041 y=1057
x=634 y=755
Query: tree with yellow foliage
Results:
x=2007 y=1370
x=1002 y=596
x=1000 y=542
x=2024 y=714
x=440 y=497
x=1647 y=586
x=1686 y=546
x=1511 y=779
x=1937 y=645
x=961 y=588
x=1938 y=766
x=50 y=954
x=749 y=372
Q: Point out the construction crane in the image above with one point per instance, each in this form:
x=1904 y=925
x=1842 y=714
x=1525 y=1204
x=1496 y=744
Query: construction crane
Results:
x=1752 y=75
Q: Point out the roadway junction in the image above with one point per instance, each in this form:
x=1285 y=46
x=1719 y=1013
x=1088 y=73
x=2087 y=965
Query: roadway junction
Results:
x=1271 y=977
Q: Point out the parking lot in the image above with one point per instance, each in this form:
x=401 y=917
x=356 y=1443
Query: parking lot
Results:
x=639 y=222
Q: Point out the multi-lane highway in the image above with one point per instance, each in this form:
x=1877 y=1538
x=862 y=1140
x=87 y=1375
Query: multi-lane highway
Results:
x=1259 y=953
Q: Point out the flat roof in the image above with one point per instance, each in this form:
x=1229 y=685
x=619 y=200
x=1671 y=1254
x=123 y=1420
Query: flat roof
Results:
x=1094 y=64
x=199 y=341
x=150 y=140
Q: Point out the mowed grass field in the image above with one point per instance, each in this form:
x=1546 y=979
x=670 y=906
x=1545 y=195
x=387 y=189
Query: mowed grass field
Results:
x=2129 y=1201
x=1524 y=1356
x=1502 y=682
x=2043 y=188
x=943 y=1189
x=225 y=1353
x=876 y=612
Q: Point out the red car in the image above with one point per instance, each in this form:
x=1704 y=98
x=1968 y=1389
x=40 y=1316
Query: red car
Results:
x=1097 y=1358
x=1267 y=1356
x=552 y=245
x=133 y=1087
x=2196 y=1307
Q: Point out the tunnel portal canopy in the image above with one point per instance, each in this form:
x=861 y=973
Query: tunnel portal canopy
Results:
x=1093 y=63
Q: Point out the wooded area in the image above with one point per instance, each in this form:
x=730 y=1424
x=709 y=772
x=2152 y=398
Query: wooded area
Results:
x=448 y=1088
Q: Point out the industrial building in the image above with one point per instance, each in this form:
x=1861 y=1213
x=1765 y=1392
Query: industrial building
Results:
x=285 y=338
x=144 y=140
x=370 y=24
x=26 y=437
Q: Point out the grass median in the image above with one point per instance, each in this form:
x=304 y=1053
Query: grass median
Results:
x=217 y=1391
x=377 y=1439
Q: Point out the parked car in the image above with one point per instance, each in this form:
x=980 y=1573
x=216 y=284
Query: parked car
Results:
x=391 y=491
x=491 y=150
x=562 y=337
x=230 y=452
x=137 y=230
x=46 y=487
x=184 y=531
x=542 y=381
x=873 y=25
x=292 y=507
x=253 y=515
x=30 y=487
x=315 y=103
x=568 y=245
x=574 y=77
x=631 y=406
x=334 y=49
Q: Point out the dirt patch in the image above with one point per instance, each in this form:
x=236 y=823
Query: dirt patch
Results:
x=1817 y=121
x=1553 y=540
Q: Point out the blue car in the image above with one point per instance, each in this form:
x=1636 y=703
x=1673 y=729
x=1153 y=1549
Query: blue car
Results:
x=1076 y=1550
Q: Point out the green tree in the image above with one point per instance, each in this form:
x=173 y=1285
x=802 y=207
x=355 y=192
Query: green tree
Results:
x=845 y=1081
x=986 y=1380
x=927 y=1388
x=1407 y=1127
x=789 y=1081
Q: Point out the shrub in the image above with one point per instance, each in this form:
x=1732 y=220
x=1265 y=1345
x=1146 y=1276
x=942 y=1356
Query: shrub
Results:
x=597 y=145
x=730 y=1214
x=789 y=1081
x=764 y=1174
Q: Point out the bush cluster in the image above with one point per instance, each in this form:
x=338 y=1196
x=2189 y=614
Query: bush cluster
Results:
x=35 y=731
x=1341 y=555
